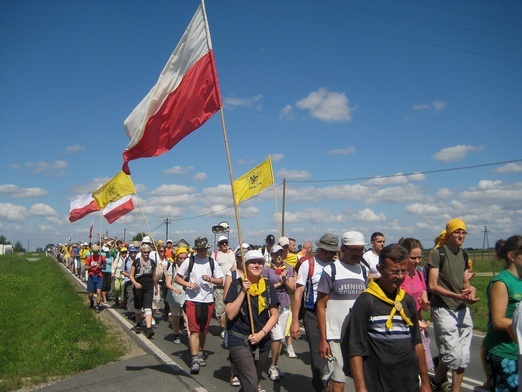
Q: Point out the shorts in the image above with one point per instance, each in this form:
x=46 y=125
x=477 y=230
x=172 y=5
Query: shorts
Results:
x=338 y=373
x=453 y=330
x=278 y=331
x=199 y=315
x=219 y=304
x=94 y=283
x=143 y=298
x=503 y=373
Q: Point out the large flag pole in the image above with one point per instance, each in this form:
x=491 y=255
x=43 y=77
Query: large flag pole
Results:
x=236 y=209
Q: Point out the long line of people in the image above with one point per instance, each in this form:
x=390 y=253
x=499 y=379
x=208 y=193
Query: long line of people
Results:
x=262 y=298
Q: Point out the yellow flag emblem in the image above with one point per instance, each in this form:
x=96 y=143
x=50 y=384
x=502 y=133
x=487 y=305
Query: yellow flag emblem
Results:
x=253 y=182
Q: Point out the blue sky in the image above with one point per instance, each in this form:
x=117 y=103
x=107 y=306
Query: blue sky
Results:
x=342 y=95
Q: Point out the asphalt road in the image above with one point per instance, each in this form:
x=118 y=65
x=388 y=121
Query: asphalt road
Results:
x=216 y=375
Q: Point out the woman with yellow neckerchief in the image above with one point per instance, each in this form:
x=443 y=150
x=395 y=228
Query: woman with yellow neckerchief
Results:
x=248 y=330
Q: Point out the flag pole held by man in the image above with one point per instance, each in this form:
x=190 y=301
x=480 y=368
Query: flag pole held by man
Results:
x=185 y=96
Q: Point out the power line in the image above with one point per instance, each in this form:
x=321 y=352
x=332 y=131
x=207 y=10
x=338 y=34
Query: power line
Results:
x=412 y=173
x=358 y=179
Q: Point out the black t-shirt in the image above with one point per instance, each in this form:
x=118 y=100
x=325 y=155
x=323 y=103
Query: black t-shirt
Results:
x=389 y=359
x=241 y=324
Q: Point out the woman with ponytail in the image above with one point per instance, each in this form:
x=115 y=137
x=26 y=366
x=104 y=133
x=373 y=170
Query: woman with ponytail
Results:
x=504 y=293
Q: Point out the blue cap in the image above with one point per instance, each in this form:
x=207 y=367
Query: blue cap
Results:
x=132 y=248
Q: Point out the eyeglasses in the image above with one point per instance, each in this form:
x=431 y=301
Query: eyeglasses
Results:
x=398 y=272
x=145 y=253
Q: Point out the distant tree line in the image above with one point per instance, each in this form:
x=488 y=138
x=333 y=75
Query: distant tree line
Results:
x=17 y=247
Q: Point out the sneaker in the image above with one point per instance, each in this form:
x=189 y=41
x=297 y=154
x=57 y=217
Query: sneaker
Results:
x=281 y=374
x=149 y=333
x=104 y=304
x=202 y=362
x=234 y=381
x=273 y=373
x=194 y=368
x=176 y=339
x=97 y=309
x=442 y=387
x=137 y=329
x=223 y=334
x=290 y=352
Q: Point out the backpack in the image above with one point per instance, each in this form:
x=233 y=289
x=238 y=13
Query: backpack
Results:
x=309 y=286
x=442 y=259
x=192 y=260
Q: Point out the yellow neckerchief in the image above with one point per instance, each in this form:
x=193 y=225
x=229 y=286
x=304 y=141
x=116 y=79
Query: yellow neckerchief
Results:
x=375 y=290
x=256 y=290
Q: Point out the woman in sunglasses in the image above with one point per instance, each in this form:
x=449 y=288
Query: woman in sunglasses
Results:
x=143 y=277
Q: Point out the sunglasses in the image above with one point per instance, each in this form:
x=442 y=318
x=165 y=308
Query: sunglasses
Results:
x=223 y=243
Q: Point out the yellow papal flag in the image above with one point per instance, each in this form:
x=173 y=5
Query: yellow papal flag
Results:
x=120 y=185
x=254 y=181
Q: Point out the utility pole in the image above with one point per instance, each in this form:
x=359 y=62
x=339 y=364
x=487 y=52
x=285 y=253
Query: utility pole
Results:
x=167 y=222
x=124 y=234
x=283 y=212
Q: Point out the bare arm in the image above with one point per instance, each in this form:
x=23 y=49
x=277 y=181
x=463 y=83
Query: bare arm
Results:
x=324 y=347
x=296 y=305
x=423 y=368
x=498 y=300
x=356 y=364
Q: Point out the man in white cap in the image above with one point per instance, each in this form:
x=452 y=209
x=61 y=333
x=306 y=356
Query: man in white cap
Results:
x=198 y=274
x=225 y=258
x=306 y=287
x=341 y=283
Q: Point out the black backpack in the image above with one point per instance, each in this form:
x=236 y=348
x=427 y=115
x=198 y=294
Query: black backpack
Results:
x=192 y=260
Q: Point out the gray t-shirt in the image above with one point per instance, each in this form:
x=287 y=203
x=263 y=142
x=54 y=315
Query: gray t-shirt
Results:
x=451 y=276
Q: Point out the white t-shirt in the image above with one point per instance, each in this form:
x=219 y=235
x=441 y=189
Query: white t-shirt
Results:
x=372 y=259
x=349 y=282
x=302 y=277
x=225 y=260
x=205 y=291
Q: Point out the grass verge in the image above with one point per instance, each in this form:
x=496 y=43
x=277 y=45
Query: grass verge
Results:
x=47 y=330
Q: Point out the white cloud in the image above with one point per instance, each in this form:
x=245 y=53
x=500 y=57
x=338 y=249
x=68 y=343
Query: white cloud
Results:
x=11 y=190
x=175 y=170
x=513 y=167
x=233 y=102
x=399 y=178
x=12 y=212
x=293 y=174
x=172 y=190
x=456 y=152
x=55 y=169
x=327 y=106
x=435 y=106
x=423 y=209
x=41 y=209
x=342 y=151
x=277 y=157
x=367 y=215
x=287 y=113
x=74 y=148
x=201 y=176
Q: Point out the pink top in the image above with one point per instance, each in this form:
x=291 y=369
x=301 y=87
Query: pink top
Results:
x=415 y=287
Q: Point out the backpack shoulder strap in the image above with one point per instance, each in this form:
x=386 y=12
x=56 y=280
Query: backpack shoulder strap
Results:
x=442 y=256
x=334 y=270
x=311 y=266
x=211 y=262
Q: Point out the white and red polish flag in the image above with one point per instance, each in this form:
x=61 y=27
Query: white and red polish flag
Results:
x=118 y=208
x=184 y=97
x=82 y=206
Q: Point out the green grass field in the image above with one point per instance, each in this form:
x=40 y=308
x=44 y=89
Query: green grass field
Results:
x=47 y=329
